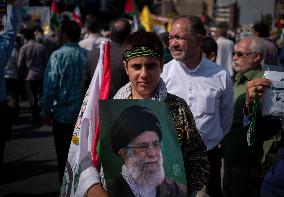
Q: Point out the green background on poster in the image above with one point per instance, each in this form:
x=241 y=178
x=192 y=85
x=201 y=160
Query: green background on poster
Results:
x=172 y=155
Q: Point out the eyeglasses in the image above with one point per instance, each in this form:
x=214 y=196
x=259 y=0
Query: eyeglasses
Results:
x=145 y=147
x=241 y=54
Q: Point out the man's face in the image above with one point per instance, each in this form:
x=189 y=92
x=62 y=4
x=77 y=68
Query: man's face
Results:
x=144 y=75
x=183 y=44
x=244 y=59
x=144 y=160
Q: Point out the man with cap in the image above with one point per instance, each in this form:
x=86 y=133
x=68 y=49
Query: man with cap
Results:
x=136 y=137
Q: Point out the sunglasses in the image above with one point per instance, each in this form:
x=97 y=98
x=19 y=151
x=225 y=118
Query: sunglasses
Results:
x=240 y=54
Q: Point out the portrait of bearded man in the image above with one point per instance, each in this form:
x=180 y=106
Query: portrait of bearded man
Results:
x=136 y=138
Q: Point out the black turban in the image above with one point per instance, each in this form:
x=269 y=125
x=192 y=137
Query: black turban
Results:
x=131 y=123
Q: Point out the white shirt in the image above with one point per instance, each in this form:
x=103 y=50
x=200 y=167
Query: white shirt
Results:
x=89 y=42
x=208 y=91
x=225 y=54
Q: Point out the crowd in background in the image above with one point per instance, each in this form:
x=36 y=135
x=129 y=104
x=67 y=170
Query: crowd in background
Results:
x=53 y=72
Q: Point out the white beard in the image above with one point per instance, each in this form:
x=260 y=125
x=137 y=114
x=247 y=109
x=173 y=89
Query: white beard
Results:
x=145 y=176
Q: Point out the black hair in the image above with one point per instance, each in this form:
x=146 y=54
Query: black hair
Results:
x=28 y=34
x=164 y=36
x=143 y=38
x=92 y=25
x=262 y=29
x=38 y=28
x=209 y=45
x=71 y=29
x=119 y=29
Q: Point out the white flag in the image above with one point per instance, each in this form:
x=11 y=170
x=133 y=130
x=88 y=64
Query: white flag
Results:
x=80 y=172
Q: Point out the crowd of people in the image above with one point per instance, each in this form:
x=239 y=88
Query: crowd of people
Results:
x=208 y=81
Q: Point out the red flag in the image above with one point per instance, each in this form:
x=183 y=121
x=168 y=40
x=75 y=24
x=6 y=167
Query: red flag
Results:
x=54 y=8
x=128 y=7
x=76 y=15
x=203 y=18
x=54 y=15
x=104 y=93
x=278 y=23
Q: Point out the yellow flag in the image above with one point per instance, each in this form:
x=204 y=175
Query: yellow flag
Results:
x=169 y=26
x=146 y=19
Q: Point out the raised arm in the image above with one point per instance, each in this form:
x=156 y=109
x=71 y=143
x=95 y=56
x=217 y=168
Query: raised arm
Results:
x=7 y=37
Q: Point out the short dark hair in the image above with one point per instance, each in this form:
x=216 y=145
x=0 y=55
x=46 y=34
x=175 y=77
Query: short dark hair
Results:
x=38 y=28
x=209 y=45
x=71 y=29
x=28 y=33
x=92 y=25
x=143 y=38
x=164 y=36
x=119 y=30
x=262 y=29
x=196 y=24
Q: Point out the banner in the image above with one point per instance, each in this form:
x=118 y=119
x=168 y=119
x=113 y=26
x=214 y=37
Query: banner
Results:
x=36 y=15
x=273 y=98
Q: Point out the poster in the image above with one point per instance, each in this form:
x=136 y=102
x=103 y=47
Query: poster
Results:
x=273 y=98
x=36 y=15
x=110 y=113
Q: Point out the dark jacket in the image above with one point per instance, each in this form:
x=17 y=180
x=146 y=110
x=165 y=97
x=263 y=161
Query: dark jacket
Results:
x=118 y=187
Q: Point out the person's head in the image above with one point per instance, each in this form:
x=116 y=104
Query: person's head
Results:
x=69 y=31
x=92 y=26
x=209 y=48
x=28 y=34
x=249 y=53
x=261 y=30
x=38 y=32
x=143 y=61
x=119 y=30
x=136 y=137
x=186 y=37
x=164 y=36
x=221 y=30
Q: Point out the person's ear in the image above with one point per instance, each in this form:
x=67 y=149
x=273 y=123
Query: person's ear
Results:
x=258 y=57
x=125 y=66
x=212 y=56
x=122 y=153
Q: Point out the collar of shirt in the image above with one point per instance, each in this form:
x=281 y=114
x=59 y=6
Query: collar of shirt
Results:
x=251 y=74
x=92 y=35
x=31 y=41
x=194 y=69
x=71 y=44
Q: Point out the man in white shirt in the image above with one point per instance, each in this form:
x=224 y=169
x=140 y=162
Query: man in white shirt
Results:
x=91 y=39
x=225 y=49
x=205 y=86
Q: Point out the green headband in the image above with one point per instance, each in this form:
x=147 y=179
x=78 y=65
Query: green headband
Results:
x=141 y=51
